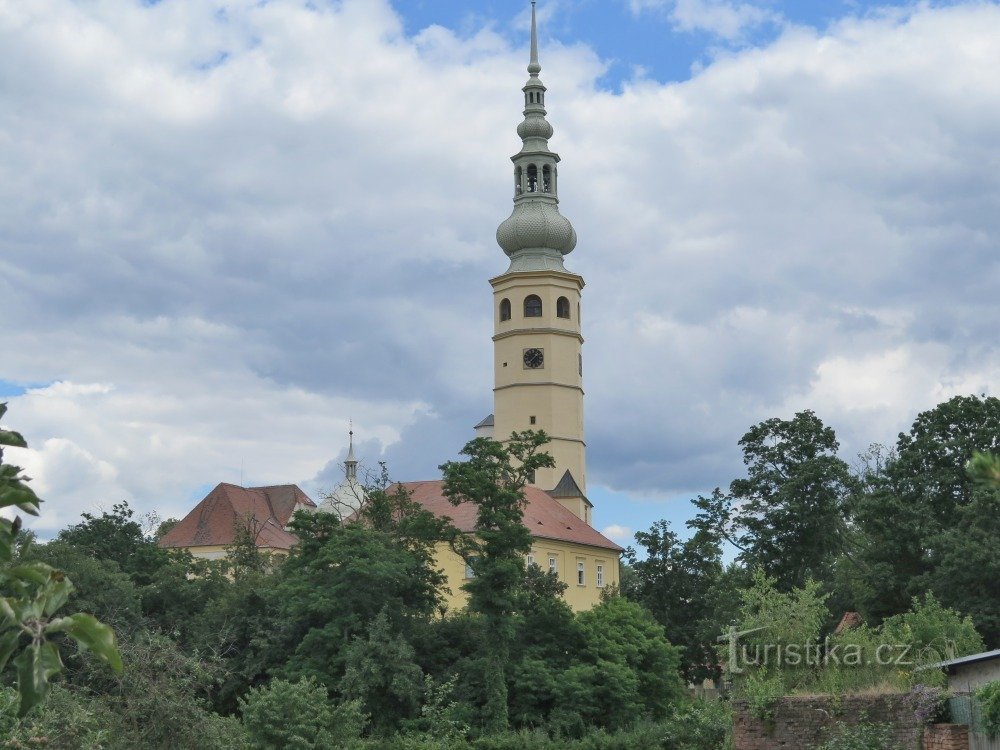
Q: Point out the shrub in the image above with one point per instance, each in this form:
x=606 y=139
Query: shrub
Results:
x=863 y=736
x=989 y=702
x=298 y=716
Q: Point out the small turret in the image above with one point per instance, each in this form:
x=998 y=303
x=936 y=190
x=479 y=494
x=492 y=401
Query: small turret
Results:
x=348 y=496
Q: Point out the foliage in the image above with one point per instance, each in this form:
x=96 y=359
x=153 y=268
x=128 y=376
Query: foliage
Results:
x=162 y=698
x=30 y=596
x=934 y=632
x=989 y=703
x=788 y=517
x=493 y=479
x=66 y=720
x=118 y=537
x=964 y=567
x=675 y=581
x=339 y=577
x=698 y=725
x=984 y=468
x=438 y=715
x=101 y=588
x=627 y=669
x=929 y=703
x=381 y=674
x=906 y=513
x=863 y=736
x=298 y=716
x=771 y=619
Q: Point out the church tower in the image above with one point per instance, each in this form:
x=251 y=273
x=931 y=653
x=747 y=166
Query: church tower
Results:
x=538 y=364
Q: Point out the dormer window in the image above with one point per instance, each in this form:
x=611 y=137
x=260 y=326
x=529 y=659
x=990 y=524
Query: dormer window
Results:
x=532 y=306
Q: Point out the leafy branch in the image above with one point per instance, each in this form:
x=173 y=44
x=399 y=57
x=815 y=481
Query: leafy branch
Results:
x=30 y=596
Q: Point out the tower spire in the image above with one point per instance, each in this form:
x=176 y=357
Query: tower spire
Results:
x=533 y=67
x=351 y=463
x=536 y=236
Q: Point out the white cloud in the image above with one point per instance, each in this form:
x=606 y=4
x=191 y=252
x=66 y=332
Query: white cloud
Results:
x=727 y=20
x=617 y=533
x=221 y=243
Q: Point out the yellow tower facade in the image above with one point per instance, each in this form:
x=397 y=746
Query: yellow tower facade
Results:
x=537 y=340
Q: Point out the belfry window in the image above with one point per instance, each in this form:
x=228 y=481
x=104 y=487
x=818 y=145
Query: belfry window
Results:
x=546 y=179
x=532 y=306
x=518 y=187
x=504 y=309
x=532 y=178
x=562 y=307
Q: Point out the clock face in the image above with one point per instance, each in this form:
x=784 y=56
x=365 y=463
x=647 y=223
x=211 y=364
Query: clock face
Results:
x=534 y=358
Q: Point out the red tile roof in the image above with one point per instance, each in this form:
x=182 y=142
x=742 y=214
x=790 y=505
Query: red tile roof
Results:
x=213 y=521
x=545 y=517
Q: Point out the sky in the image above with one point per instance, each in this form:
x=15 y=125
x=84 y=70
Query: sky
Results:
x=230 y=230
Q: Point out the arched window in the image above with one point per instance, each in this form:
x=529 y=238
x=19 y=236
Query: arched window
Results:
x=546 y=179
x=532 y=178
x=532 y=306
x=518 y=187
x=505 y=309
x=562 y=307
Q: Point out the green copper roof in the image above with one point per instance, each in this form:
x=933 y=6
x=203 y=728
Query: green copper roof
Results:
x=535 y=236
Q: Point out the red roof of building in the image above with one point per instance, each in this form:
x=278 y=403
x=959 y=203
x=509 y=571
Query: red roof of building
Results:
x=544 y=516
x=213 y=521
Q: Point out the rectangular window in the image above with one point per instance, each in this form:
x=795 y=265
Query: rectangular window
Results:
x=581 y=577
x=552 y=566
x=600 y=576
x=530 y=560
x=469 y=572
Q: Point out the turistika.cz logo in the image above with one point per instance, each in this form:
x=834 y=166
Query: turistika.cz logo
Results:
x=825 y=653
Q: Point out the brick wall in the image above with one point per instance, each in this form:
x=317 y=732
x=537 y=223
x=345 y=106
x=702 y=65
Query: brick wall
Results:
x=946 y=737
x=798 y=723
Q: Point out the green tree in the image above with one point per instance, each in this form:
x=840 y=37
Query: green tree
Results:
x=790 y=508
x=964 y=567
x=771 y=618
x=298 y=716
x=340 y=577
x=676 y=581
x=934 y=631
x=909 y=510
x=381 y=673
x=493 y=480
x=116 y=535
x=626 y=672
x=30 y=596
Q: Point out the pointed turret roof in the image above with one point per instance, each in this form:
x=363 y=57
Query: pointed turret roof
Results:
x=535 y=236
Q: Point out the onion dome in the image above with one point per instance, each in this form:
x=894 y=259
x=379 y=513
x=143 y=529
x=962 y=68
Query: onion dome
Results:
x=535 y=236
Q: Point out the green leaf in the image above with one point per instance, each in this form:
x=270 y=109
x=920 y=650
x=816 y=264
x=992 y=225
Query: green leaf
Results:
x=8 y=642
x=37 y=573
x=7 y=534
x=35 y=666
x=19 y=495
x=92 y=634
x=11 y=438
x=56 y=592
